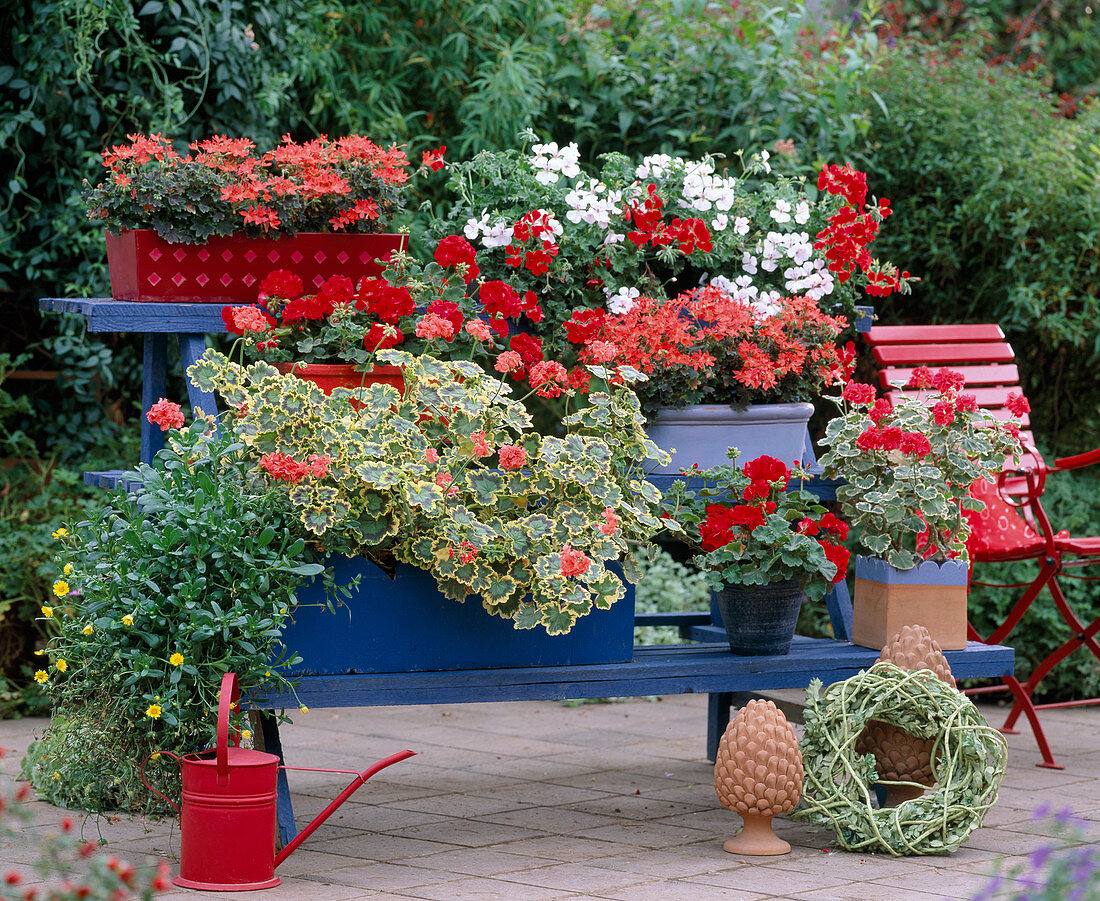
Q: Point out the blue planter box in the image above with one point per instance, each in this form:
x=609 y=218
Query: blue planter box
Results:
x=404 y=624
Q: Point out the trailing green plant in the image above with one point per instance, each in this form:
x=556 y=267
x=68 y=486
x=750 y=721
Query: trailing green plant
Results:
x=449 y=476
x=156 y=597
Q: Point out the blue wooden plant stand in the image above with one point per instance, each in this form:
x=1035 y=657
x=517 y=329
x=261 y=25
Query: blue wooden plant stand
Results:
x=704 y=664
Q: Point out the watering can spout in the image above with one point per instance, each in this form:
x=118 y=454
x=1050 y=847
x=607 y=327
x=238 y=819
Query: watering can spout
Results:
x=356 y=784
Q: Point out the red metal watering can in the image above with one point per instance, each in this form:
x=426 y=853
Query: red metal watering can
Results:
x=228 y=818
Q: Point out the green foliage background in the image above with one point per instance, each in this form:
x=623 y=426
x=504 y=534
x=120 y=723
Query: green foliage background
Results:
x=998 y=201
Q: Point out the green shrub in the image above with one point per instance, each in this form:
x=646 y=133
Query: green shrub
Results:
x=157 y=597
x=667 y=586
x=997 y=208
x=691 y=77
x=35 y=493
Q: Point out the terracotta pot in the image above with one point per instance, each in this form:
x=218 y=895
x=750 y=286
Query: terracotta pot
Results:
x=930 y=594
x=344 y=375
x=702 y=433
x=760 y=620
x=146 y=268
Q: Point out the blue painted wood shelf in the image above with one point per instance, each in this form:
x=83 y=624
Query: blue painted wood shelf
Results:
x=656 y=670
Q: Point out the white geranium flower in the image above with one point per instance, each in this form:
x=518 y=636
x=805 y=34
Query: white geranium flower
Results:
x=497 y=235
x=802 y=213
x=767 y=304
x=474 y=227
x=741 y=225
x=723 y=284
x=782 y=211
x=721 y=222
x=622 y=301
x=748 y=263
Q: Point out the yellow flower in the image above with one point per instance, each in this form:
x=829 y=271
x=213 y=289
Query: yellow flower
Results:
x=88 y=629
x=39 y=653
x=61 y=588
x=246 y=734
x=303 y=709
x=176 y=659
x=61 y=665
x=47 y=612
x=67 y=569
x=153 y=711
x=41 y=677
x=60 y=533
x=127 y=620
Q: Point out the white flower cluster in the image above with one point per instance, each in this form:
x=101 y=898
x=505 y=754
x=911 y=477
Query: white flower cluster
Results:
x=782 y=211
x=551 y=162
x=592 y=203
x=622 y=301
x=765 y=304
x=807 y=276
x=703 y=190
x=498 y=234
x=655 y=166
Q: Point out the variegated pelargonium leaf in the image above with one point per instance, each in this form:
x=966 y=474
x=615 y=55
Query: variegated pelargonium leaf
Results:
x=570 y=521
x=548 y=567
x=378 y=474
x=502 y=588
x=485 y=486
x=557 y=620
x=537 y=526
x=426 y=495
x=606 y=589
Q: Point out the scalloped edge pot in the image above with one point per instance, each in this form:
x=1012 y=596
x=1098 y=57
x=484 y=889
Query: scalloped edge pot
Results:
x=932 y=595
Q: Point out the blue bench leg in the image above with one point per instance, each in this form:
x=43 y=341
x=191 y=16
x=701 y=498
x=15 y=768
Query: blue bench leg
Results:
x=718 y=717
x=283 y=807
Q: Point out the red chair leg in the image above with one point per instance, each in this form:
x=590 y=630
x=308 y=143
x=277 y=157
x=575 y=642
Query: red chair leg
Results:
x=1023 y=702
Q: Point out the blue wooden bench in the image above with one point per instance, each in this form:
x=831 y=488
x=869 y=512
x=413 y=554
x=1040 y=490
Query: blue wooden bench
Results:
x=703 y=664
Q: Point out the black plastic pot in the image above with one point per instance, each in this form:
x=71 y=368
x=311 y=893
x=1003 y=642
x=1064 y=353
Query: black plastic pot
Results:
x=760 y=620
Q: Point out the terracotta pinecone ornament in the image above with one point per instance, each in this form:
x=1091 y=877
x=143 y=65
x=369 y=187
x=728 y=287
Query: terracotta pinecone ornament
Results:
x=899 y=756
x=758 y=774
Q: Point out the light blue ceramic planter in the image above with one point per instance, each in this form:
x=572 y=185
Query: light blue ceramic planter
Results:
x=702 y=433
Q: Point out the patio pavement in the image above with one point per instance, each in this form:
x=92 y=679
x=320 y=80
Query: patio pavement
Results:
x=533 y=801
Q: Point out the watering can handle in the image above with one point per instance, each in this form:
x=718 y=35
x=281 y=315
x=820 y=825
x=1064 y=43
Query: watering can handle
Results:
x=144 y=782
x=228 y=697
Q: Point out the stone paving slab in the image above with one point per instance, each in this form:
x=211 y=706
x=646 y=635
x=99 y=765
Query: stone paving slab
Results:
x=536 y=801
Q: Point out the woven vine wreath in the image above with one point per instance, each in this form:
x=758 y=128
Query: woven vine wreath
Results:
x=968 y=762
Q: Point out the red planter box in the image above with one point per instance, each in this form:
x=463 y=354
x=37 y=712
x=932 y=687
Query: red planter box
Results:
x=146 y=268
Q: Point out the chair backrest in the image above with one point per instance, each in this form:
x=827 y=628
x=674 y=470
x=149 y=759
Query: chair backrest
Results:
x=987 y=363
x=978 y=351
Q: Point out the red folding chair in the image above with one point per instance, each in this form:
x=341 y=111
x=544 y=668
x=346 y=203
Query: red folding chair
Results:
x=1014 y=526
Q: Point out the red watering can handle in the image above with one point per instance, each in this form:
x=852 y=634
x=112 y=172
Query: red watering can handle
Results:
x=229 y=696
x=176 y=758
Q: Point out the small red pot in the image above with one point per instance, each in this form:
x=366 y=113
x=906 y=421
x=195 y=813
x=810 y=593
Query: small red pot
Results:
x=344 y=375
x=146 y=268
